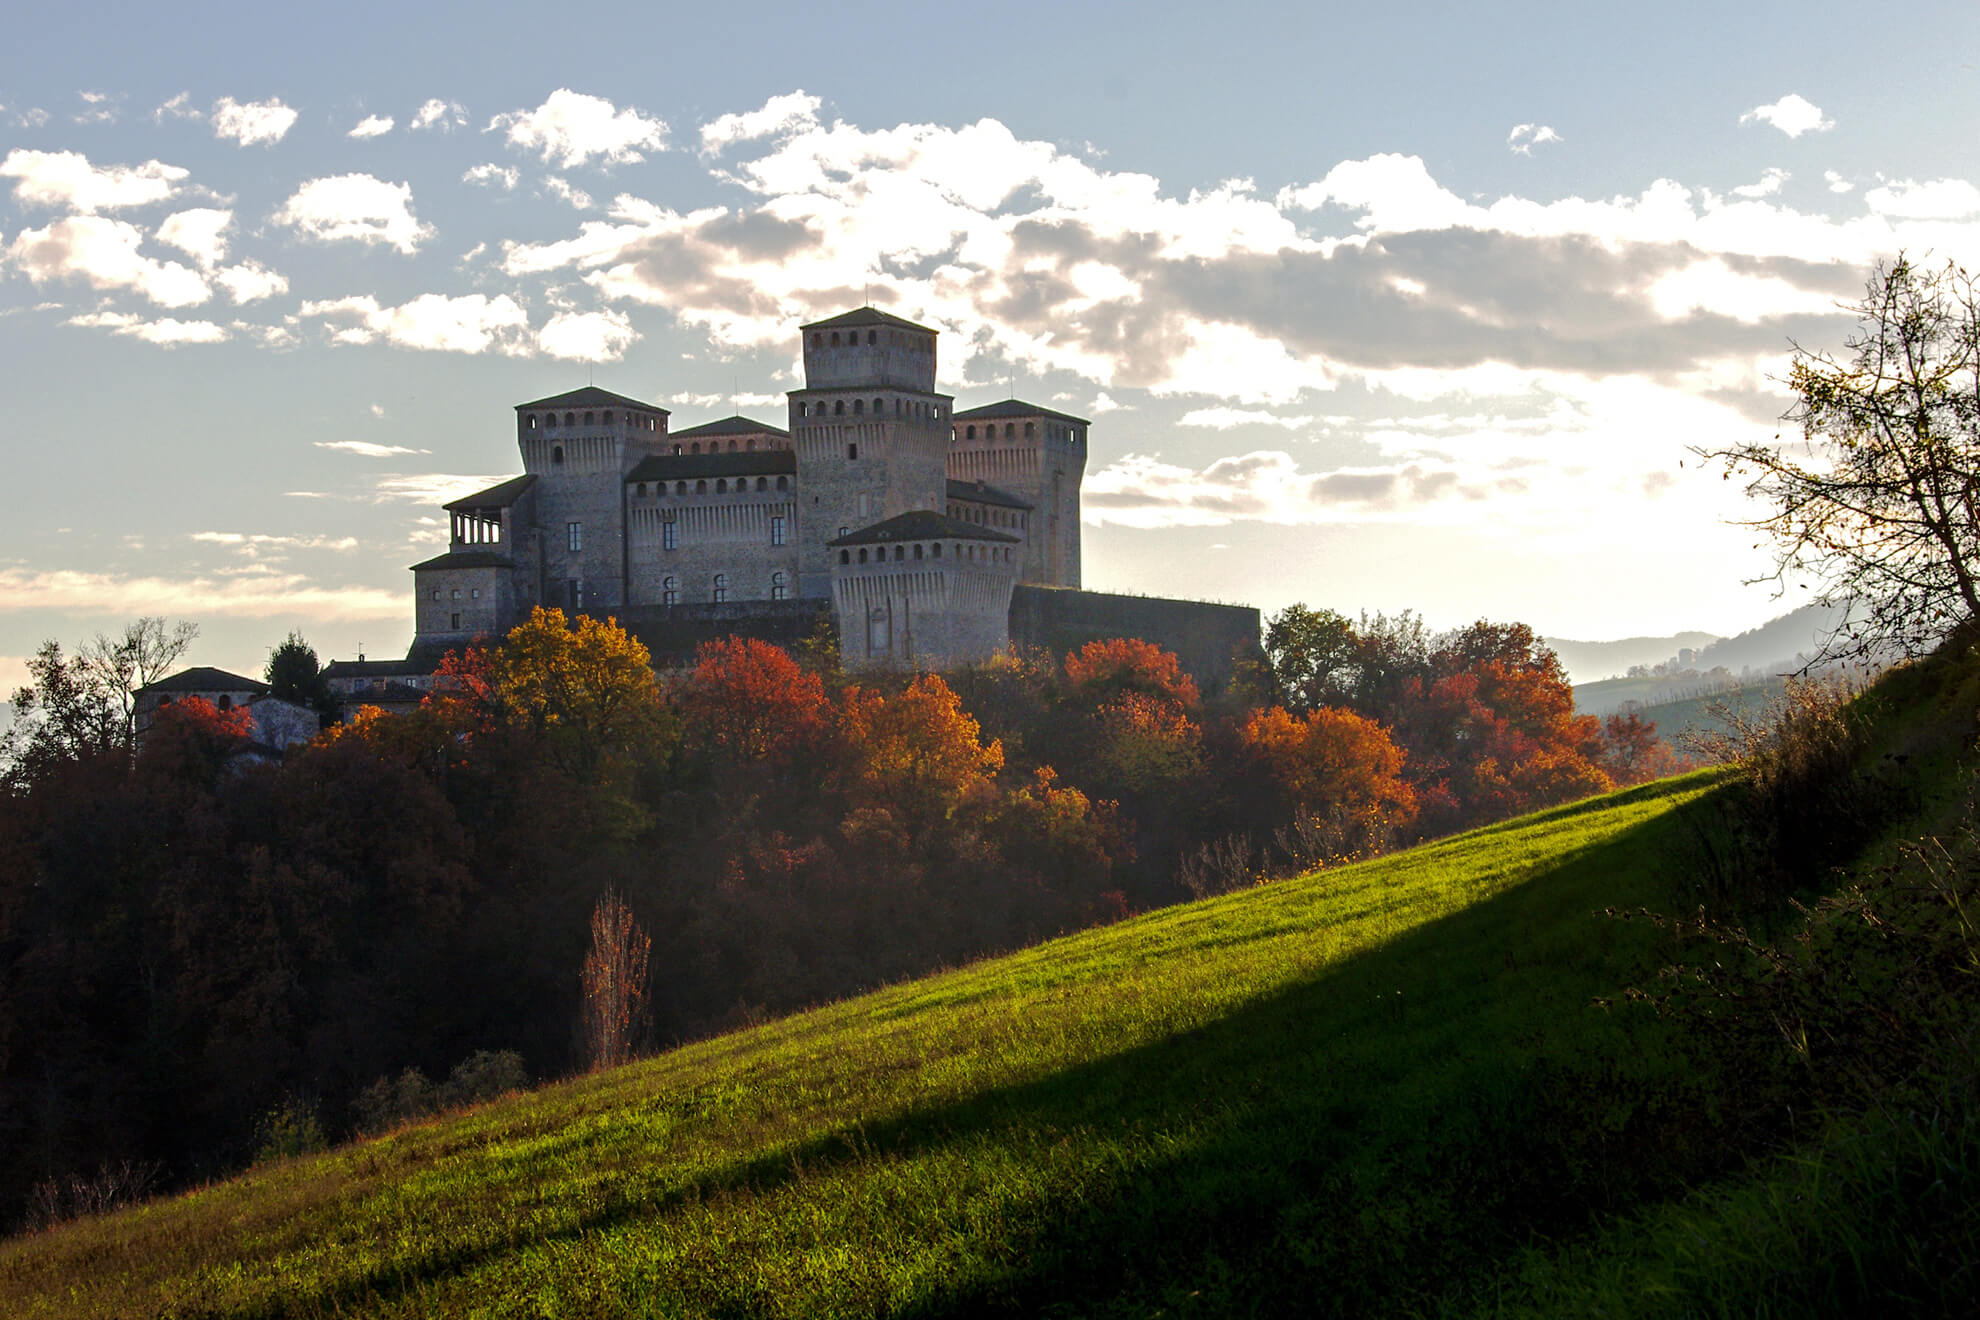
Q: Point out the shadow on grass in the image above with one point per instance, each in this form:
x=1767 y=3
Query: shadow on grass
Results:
x=1366 y=1136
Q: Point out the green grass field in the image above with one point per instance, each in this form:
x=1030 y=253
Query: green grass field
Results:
x=1345 y=1090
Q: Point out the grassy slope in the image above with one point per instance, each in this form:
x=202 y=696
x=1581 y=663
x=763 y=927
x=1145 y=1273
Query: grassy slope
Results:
x=1309 y=1087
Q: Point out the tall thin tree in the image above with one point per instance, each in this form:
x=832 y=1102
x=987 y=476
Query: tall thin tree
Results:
x=615 y=983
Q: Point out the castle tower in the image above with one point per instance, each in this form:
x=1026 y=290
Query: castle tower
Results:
x=871 y=433
x=580 y=445
x=1038 y=455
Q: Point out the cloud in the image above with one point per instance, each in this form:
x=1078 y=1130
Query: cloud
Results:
x=101 y=108
x=254 y=544
x=281 y=596
x=200 y=233
x=573 y=129
x=506 y=176
x=271 y=336
x=252 y=123
x=1767 y=185
x=473 y=323
x=33 y=117
x=1223 y=419
x=1933 y=199
x=179 y=107
x=366 y=449
x=250 y=281
x=444 y=116
x=563 y=191
x=167 y=332
x=1792 y=114
x=371 y=126
x=358 y=208
x=1264 y=486
x=1525 y=137
x=67 y=179
x=587 y=336
x=1837 y=183
x=778 y=117
x=104 y=254
x=427 y=487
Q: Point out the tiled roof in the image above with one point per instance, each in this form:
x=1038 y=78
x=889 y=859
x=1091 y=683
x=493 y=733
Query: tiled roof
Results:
x=686 y=467
x=495 y=497
x=590 y=396
x=865 y=316
x=1017 y=408
x=467 y=559
x=737 y=425
x=920 y=525
x=978 y=493
x=205 y=678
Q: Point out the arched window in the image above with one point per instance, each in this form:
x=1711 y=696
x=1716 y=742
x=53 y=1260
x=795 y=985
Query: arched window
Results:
x=225 y=703
x=817 y=340
x=721 y=591
x=721 y=486
x=917 y=552
x=608 y=417
x=701 y=487
x=763 y=483
x=680 y=488
x=532 y=421
x=590 y=419
x=749 y=445
x=642 y=488
x=859 y=407
x=677 y=451
x=938 y=549
x=969 y=433
x=556 y=454
x=1028 y=429
x=783 y=483
x=670 y=593
x=835 y=339
x=900 y=553
x=872 y=338
x=778 y=589
x=732 y=446
x=838 y=407
x=1010 y=430
x=879 y=406
x=695 y=448
x=862 y=556
x=845 y=557
x=570 y=419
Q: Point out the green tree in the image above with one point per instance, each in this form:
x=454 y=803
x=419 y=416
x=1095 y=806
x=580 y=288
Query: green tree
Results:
x=1313 y=657
x=293 y=674
x=1878 y=507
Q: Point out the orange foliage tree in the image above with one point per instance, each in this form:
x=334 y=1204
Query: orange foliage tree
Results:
x=1339 y=767
x=615 y=983
x=1100 y=671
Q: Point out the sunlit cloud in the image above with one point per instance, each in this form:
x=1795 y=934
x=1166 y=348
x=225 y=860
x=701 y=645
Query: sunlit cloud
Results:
x=439 y=115
x=67 y=179
x=365 y=448
x=574 y=129
x=493 y=175
x=355 y=208
x=283 y=595
x=200 y=233
x=777 y=117
x=471 y=323
x=1525 y=137
x=103 y=253
x=253 y=123
x=166 y=332
x=587 y=336
x=371 y=126
x=1793 y=114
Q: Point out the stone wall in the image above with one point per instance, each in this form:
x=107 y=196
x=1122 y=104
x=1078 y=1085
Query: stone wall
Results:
x=672 y=635
x=1210 y=640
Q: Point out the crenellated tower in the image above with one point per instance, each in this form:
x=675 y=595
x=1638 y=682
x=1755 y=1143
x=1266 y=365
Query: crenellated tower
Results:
x=1038 y=455
x=871 y=433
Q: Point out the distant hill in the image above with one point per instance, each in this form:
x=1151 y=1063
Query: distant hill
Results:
x=1587 y=661
x=1775 y=647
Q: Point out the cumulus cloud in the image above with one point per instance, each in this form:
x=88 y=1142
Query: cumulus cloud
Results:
x=587 y=336
x=777 y=117
x=1932 y=199
x=167 y=332
x=365 y=448
x=427 y=487
x=443 y=116
x=1223 y=419
x=179 y=107
x=1837 y=183
x=255 y=544
x=104 y=254
x=1792 y=114
x=473 y=323
x=562 y=190
x=280 y=596
x=573 y=129
x=357 y=208
x=1525 y=137
x=250 y=281
x=251 y=123
x=493 y=175
x=200 y=233
x=371 y=126
x=1766 y=185
x=98 y=108
x=67 y=179
x=1264 y=486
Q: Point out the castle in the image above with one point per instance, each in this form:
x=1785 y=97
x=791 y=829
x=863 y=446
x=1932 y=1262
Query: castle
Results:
x=930 y=537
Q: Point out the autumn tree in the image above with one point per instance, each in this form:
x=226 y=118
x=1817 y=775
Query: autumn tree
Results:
x=1313 y=656
x=584 y=687
x=750 y=716
x=1337 y=767
x=1101 y=671
x=918 y=752
x=85 y=704
x=1878 y=506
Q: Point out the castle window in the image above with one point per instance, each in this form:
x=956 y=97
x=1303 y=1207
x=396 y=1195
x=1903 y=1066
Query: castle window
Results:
x=670 y=536
x=695 y=448
x=721 y=486
x=879 y=406
x=835 y=339
x=842 y=531
x=783 y=483
x=917 y=552
x=872 y=338
x=1010 y=430
x=591 y=419
x=845 y=556
x=557 y=454
x=859 y=407
x=900 y=553
x=777 y=530
x=938 y=549
x=574 y=535
x=455 y=594
x=475 y=593
x=732 y=446
x=721 y=592
x=862 y=556
x=778 y=589
x=763 y=483
x=680 y=488
x=852 y=451
x=453 y=622
x=532 y=421
x=642 y=488
x=701 y=487
x=750 y=445
x=670 y=590
x=570 y=419
x=969 y=433
x=1028 y=429
x=817 y=340
x=607 y=419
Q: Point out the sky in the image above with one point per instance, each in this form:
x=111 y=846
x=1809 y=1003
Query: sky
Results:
x=1374 y=308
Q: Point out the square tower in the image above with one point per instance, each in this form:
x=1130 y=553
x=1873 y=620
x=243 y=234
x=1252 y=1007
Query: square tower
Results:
x=1038 y=455
x=579 y=445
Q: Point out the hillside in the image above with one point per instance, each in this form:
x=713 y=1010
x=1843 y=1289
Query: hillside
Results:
x=1589 y=662
x=1130 y=1110
x=1413 y=1084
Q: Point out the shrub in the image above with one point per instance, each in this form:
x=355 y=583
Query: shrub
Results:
x=411 y=1096
x=289 y=1129
x=56 y=1200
